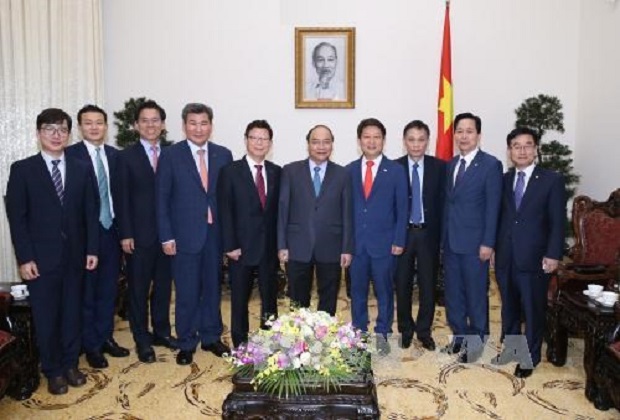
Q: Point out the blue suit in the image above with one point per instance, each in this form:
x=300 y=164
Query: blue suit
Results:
x=57 y=237
x=470 y=221
x=100 y=285
x=182 y=208
x=378 y=223
x=527 y=235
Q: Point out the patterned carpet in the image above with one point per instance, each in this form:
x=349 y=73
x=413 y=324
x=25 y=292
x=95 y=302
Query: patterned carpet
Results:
x=411 y=384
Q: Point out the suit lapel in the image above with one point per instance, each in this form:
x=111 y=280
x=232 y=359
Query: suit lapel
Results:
x=450 y=174
x=509 y=190
x=358 y=183
x=47 y=178
x=190 y=164
x=532 y=187
x=270 y=184
x=379 y=178
x=307 y=182
x=250 y=183
x=327 y=179
x=143 y=160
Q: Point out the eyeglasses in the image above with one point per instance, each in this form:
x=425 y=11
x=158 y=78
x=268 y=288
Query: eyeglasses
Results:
x=52 y=130
x=525 y=148
x=258 y=139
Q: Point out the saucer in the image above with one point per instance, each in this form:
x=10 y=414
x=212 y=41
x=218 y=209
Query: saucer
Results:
x=605 y=304
x=20 y=297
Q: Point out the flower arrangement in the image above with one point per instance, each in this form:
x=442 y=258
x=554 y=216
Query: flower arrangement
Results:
x=302 y=349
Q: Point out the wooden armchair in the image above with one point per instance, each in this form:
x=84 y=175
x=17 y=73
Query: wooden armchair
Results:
x=596 y=252
x=607 y=371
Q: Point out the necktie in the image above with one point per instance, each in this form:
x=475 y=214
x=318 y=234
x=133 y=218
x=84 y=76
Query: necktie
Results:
x=105 y=214
x=460 y=172
x=519 y=188
x=204 y=179
x=416 y=205
x=260 y=185
x=368 y=178
x=154 y=158
x=57 y=180
x=316 y=181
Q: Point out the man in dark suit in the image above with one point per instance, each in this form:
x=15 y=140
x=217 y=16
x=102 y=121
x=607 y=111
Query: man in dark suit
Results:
x=187 y=218
x=52 y=212
x=315 y=230
x=473 y=193
x=147 y=265
x=380 y=226
x=426 y=179
x=101 y=285
x=247 y=197
x=529 y=246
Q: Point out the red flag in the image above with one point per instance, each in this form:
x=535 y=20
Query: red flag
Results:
x=445 y=108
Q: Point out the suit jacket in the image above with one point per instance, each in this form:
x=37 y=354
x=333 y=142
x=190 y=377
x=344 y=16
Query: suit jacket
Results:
x=244 y=223
x=79 y=151
x=381 y=220
x=310 y=226
x=41 y=227
x=182 y=202
x=134 y=198
x=433 y=194
x=471 y=210
x=536 y=229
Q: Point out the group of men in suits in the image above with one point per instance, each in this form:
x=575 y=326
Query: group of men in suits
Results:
x=175 y=211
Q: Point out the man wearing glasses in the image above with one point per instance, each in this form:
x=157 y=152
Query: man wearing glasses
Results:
x=52 y=212
x=147 y=265
x=247 y=197
x=315 y=230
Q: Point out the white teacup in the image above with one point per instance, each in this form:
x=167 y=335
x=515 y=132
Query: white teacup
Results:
x=609 y=297
x=19 y=290
x=594 y=289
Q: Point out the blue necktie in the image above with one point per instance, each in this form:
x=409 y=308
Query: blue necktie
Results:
x=460 y=172
x=519 y=188
x=416 y=205
x=316 y=180
x=57 y=180
x=105 y=215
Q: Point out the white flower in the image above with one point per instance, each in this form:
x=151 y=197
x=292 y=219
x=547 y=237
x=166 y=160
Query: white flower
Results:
x=304 y=358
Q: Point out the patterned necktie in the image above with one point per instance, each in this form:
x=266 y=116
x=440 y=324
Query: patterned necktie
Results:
x=416 y=205
x=204 y=179
x=519 y=188
x=105 y=214
x=154 y=158
x=260 y=185
x=316 y=181
x=460 y=172
x=57 y=180
x=368 y=178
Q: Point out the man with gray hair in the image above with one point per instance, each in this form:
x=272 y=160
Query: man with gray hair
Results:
x=187 y=221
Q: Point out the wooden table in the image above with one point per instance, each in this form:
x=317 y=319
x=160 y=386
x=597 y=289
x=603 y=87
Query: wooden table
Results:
x=354 y=400
x=575 y=312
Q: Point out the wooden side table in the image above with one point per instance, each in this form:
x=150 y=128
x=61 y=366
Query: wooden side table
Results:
x=573 y=311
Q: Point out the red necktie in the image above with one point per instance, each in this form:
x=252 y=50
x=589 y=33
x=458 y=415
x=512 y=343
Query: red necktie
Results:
x=260 y=185
x=368 y=178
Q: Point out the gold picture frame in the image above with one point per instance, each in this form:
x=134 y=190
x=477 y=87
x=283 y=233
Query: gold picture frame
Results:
x=324 y=67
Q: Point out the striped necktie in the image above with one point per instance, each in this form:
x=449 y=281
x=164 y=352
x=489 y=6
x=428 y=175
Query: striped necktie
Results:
x=57 y=180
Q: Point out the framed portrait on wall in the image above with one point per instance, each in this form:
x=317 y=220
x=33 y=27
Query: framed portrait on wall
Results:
x=324 y=67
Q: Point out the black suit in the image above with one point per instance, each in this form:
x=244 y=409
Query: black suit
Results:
x=57 y=237
x=316 y=231
x=421 y=251
x=101 y=285
x=525 y=236
x=245 y=225
x=135 y=215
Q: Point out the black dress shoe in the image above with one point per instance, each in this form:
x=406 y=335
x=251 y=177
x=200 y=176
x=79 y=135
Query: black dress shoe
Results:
x=522 y=373
x=405 y=340
x=57 y=385
x=75 y=378
x=112 y=348
x=146 y=354
x=452 y=348
x=185 y=357
x=96 y=360
x=382 y=345
x=218 y=348
x=169 y=342
x=428 y=343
